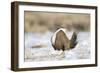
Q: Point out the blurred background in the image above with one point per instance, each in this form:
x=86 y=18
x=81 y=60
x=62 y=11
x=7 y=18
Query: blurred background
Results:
x=38 y=46
x=51 y=21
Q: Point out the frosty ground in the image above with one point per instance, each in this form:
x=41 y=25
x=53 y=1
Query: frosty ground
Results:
x=47 y=53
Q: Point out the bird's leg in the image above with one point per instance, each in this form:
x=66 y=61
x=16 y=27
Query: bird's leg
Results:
x=62 y=54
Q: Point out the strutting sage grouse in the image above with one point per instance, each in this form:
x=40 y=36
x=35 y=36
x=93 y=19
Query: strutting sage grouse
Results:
x=60 y=40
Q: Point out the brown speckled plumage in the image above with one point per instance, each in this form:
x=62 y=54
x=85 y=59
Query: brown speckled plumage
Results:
x=63 y=43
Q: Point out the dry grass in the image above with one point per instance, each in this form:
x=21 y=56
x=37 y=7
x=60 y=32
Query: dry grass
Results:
x=42 y=21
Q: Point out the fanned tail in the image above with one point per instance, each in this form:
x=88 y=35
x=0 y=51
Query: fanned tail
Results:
x=73 y=41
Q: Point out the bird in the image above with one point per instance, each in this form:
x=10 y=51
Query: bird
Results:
x=61 y=42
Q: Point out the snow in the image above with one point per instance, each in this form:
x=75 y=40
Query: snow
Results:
x=47 y=52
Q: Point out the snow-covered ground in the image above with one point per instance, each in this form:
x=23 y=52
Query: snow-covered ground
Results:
x=47 y=52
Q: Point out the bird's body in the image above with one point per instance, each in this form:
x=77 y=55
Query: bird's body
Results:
x=60 y=41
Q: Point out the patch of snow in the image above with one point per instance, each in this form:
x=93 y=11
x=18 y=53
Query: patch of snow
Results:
x=81 y=51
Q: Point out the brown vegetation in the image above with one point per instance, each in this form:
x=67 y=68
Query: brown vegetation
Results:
x=47 y=21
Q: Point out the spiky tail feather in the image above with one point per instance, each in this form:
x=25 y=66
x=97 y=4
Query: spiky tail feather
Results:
x=73 y=41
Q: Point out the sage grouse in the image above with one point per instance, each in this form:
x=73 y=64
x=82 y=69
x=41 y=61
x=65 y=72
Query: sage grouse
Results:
x=61 y=42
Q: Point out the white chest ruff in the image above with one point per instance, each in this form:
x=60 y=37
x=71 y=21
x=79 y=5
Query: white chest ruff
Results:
x=68 y=34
